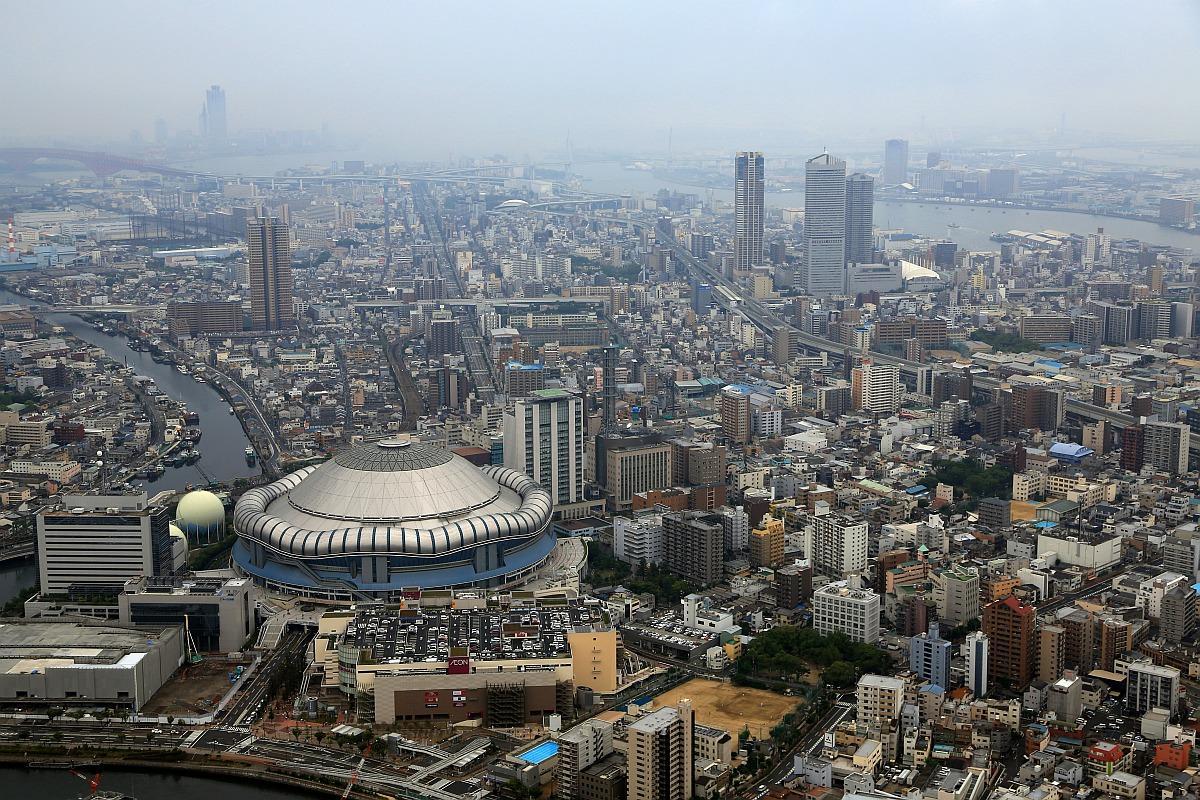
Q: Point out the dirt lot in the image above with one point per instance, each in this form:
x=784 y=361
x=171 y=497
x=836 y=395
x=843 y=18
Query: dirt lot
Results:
x=194 y=689
x=729 y=707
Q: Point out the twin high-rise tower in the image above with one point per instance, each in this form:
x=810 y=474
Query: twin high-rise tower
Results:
x=213 y=123
x=838 y=218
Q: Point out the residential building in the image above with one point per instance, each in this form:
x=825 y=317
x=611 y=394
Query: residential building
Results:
x=975 y=652
x=694 y=545
x=929 y=656
x=268 y=250
x=661 y=754
x=748 y=211
x=1150 y=686
x=839 y=545
x=880 y=699
x=1008 y=624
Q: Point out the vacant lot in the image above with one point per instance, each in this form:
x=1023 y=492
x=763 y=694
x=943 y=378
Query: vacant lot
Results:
x=194 y=690
x=729 y=707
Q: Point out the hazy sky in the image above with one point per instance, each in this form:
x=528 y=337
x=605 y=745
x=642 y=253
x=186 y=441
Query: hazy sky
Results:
x=430 y=79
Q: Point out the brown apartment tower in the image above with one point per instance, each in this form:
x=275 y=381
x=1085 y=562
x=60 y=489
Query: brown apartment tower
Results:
x=270 y=256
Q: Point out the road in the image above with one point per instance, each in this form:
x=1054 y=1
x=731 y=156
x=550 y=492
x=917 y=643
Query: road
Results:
x=807 y=745
x=250 y=700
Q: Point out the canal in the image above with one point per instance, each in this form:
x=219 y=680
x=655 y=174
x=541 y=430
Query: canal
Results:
x=223 y=444
x=60 y=784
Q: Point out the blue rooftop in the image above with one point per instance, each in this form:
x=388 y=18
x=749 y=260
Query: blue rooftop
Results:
x=539 y=753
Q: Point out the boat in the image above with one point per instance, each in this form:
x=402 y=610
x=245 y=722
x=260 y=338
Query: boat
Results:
x=191 y=418
x=231 y=411
x=952 y=225
x=181 y=368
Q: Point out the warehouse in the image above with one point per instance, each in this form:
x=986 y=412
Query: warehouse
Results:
x=79 y=663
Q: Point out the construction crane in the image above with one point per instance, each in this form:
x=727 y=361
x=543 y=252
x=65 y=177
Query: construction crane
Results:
x=194 y=656
x=93 y=781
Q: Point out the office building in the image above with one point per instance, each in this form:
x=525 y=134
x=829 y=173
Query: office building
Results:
x=838 y=545
x=1151 y=686
x=1008 y=625
x=875 y=388
x=824 y=267
x=219 y=615
x=880 y=699
x=1165 y=446
x=268 y=251
x=1064 y=697
x=929 y=656
x=748 y=212
x=93 y=544
x=895 y=162
x=736 y=417
x=694 y=545
x=632 y=465
x=661 y=754
x=975 y=653
x=860 y=214
x=544 y=439
x=839 y=606
x=1177 y=211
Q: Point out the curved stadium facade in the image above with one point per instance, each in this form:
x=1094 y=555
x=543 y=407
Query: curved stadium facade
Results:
x=387 y=516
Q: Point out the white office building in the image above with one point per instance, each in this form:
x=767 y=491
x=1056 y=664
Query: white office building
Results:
x=93 y=544
x=838 y=606
x=823 y=271
x=638 y=540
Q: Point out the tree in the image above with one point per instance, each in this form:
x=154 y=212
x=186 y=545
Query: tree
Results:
x=840 y=674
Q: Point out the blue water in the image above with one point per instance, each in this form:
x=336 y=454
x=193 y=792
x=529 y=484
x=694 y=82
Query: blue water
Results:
x=540 y=753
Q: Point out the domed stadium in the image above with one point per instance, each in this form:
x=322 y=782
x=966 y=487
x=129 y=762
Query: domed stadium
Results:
x=201 y=515
x=389 y=516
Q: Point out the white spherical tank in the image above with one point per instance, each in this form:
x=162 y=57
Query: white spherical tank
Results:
x=201 y=515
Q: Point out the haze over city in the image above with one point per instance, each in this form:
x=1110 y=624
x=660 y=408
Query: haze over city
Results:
x=422 y=80
x=600 y=401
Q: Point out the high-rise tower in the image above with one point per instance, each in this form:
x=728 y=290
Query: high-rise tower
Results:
x=748 y=211
x=270 y=257
x=215 y=129
x=860 y=216
x=823 y=273
x=895 y=162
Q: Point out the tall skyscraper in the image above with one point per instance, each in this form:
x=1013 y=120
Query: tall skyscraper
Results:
x=823 y=272
x=860 y=216
x=270 y=258
x=895 y=162
x=214 y=126
x=543 y=438
x=661 y=754
x=748 y=211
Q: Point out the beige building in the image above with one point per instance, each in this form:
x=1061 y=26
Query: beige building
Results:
x=880 y=699
x=661 y=754
x=956 y=594
x=766 y=543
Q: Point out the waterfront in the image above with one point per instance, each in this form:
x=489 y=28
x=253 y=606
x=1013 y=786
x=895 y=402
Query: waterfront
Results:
x=60 y=784
x=15 y=576
x=975 y=223
x=223 y=444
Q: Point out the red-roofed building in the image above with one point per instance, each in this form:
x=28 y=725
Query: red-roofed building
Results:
x=1105 y=758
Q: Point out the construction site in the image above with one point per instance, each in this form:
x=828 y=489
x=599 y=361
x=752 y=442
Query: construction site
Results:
x=730 y=708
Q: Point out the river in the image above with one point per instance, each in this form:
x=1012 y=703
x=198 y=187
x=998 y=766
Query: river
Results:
x=60 y=784
x=976 y=224
x=223 y=445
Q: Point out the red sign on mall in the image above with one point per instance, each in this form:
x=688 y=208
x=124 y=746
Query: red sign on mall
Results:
x=458 y=665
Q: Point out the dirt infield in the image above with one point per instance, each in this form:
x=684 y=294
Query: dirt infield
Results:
x=729 y=707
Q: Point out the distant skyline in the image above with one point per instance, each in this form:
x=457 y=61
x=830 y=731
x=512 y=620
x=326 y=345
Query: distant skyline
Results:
x=430 y=80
